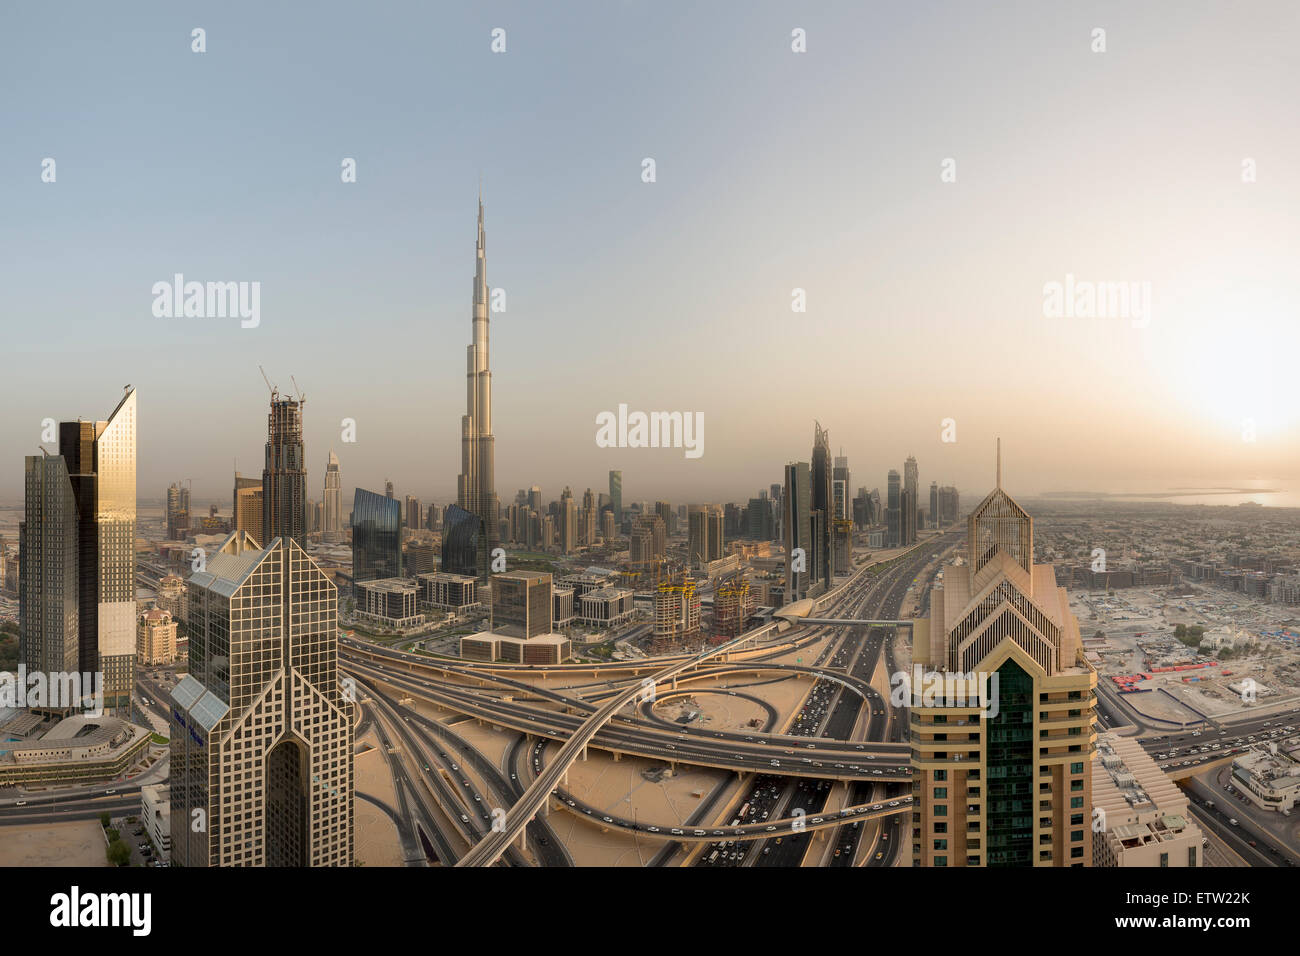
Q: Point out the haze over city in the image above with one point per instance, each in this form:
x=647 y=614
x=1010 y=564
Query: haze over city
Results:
x=773 y=173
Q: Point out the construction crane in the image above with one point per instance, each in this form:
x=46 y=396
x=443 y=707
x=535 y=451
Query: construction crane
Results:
x=302 y=396
x=275 y=392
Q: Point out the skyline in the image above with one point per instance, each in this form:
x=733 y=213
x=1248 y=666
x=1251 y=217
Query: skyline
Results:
x=668 y=295
x=873 y=447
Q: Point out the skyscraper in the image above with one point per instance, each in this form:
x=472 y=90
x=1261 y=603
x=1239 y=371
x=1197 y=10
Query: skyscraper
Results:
x=616 y=499
x=697 y=535
x=332 y=502
x=843 y=489
x=376 y=537
x=1002 y=750
x=664 y=510
x=911 y=486
x=893 y=512
x=717 y=525
x=462 y=543
x=48 y=638
x=475 y=488
x=248 y=507
x=797 y=525
x=100 y=458
x=261 y=728
x=934 y=504
x=284 y=477
x=822 y=505
x=178 y=512
x=567 y=520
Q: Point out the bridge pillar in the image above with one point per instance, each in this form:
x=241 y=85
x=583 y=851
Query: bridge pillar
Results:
x=617 y=756
x=584 y=754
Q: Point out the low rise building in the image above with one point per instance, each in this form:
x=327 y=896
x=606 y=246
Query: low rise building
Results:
x=80 y=747
x=1140 y=816
x=562 y=611
x=155 y=639
x=1269 y=780
x=391 y=601
x=543 y=649
x=156 y=815
x=448 y=592
x=605 y=606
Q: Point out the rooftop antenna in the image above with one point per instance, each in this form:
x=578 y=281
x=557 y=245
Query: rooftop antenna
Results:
x=999 y=462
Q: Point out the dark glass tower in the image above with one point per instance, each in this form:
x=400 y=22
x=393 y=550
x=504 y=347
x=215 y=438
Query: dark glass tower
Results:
x=823 y=501
x=48 y=639
x=616 y=499
x=376 y=536
x=284 y=478
x=894 y=511
x=462 y=543
x=797 y=525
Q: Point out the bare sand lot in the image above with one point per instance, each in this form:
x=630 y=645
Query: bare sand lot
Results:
x=68 y=843
x=374 y=831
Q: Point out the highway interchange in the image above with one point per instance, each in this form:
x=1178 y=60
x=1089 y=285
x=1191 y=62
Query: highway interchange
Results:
x=826 y=785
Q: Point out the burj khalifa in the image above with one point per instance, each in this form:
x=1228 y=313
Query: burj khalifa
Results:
x=475 y=488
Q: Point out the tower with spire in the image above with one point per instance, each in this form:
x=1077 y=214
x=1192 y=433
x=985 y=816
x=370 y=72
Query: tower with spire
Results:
x=475 y=488
x=1010 y=730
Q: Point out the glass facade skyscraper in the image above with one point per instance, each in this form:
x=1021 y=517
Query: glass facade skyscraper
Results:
x=48 y=640
x=100 y=458
x=463 y=552
x=261 y=728
x=616 y=499
x=797 y=525
x=376 y=536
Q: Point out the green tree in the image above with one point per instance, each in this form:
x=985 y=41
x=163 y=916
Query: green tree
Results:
x=1180 y=631
x=119 y=854
x=104 y=819
x=1197 y=632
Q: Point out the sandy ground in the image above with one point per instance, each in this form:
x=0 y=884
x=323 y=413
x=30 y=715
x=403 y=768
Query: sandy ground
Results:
x=607 y=785
x=374 y=830
x=72 y=843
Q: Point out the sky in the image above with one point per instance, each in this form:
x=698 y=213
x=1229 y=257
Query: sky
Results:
x=775 y=170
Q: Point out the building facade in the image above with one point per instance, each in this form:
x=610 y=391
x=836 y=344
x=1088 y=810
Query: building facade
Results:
x=476 y=485
x=376 y=537
x=261 y=728
x=1002 y=750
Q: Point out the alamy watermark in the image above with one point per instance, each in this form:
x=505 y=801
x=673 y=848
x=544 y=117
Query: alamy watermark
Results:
x=651 y=430
x=71 y=689
x=208 y=300
x=1085 y=299
x=924 y=688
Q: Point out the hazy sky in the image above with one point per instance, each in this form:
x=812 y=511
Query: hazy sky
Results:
x=775 y=170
